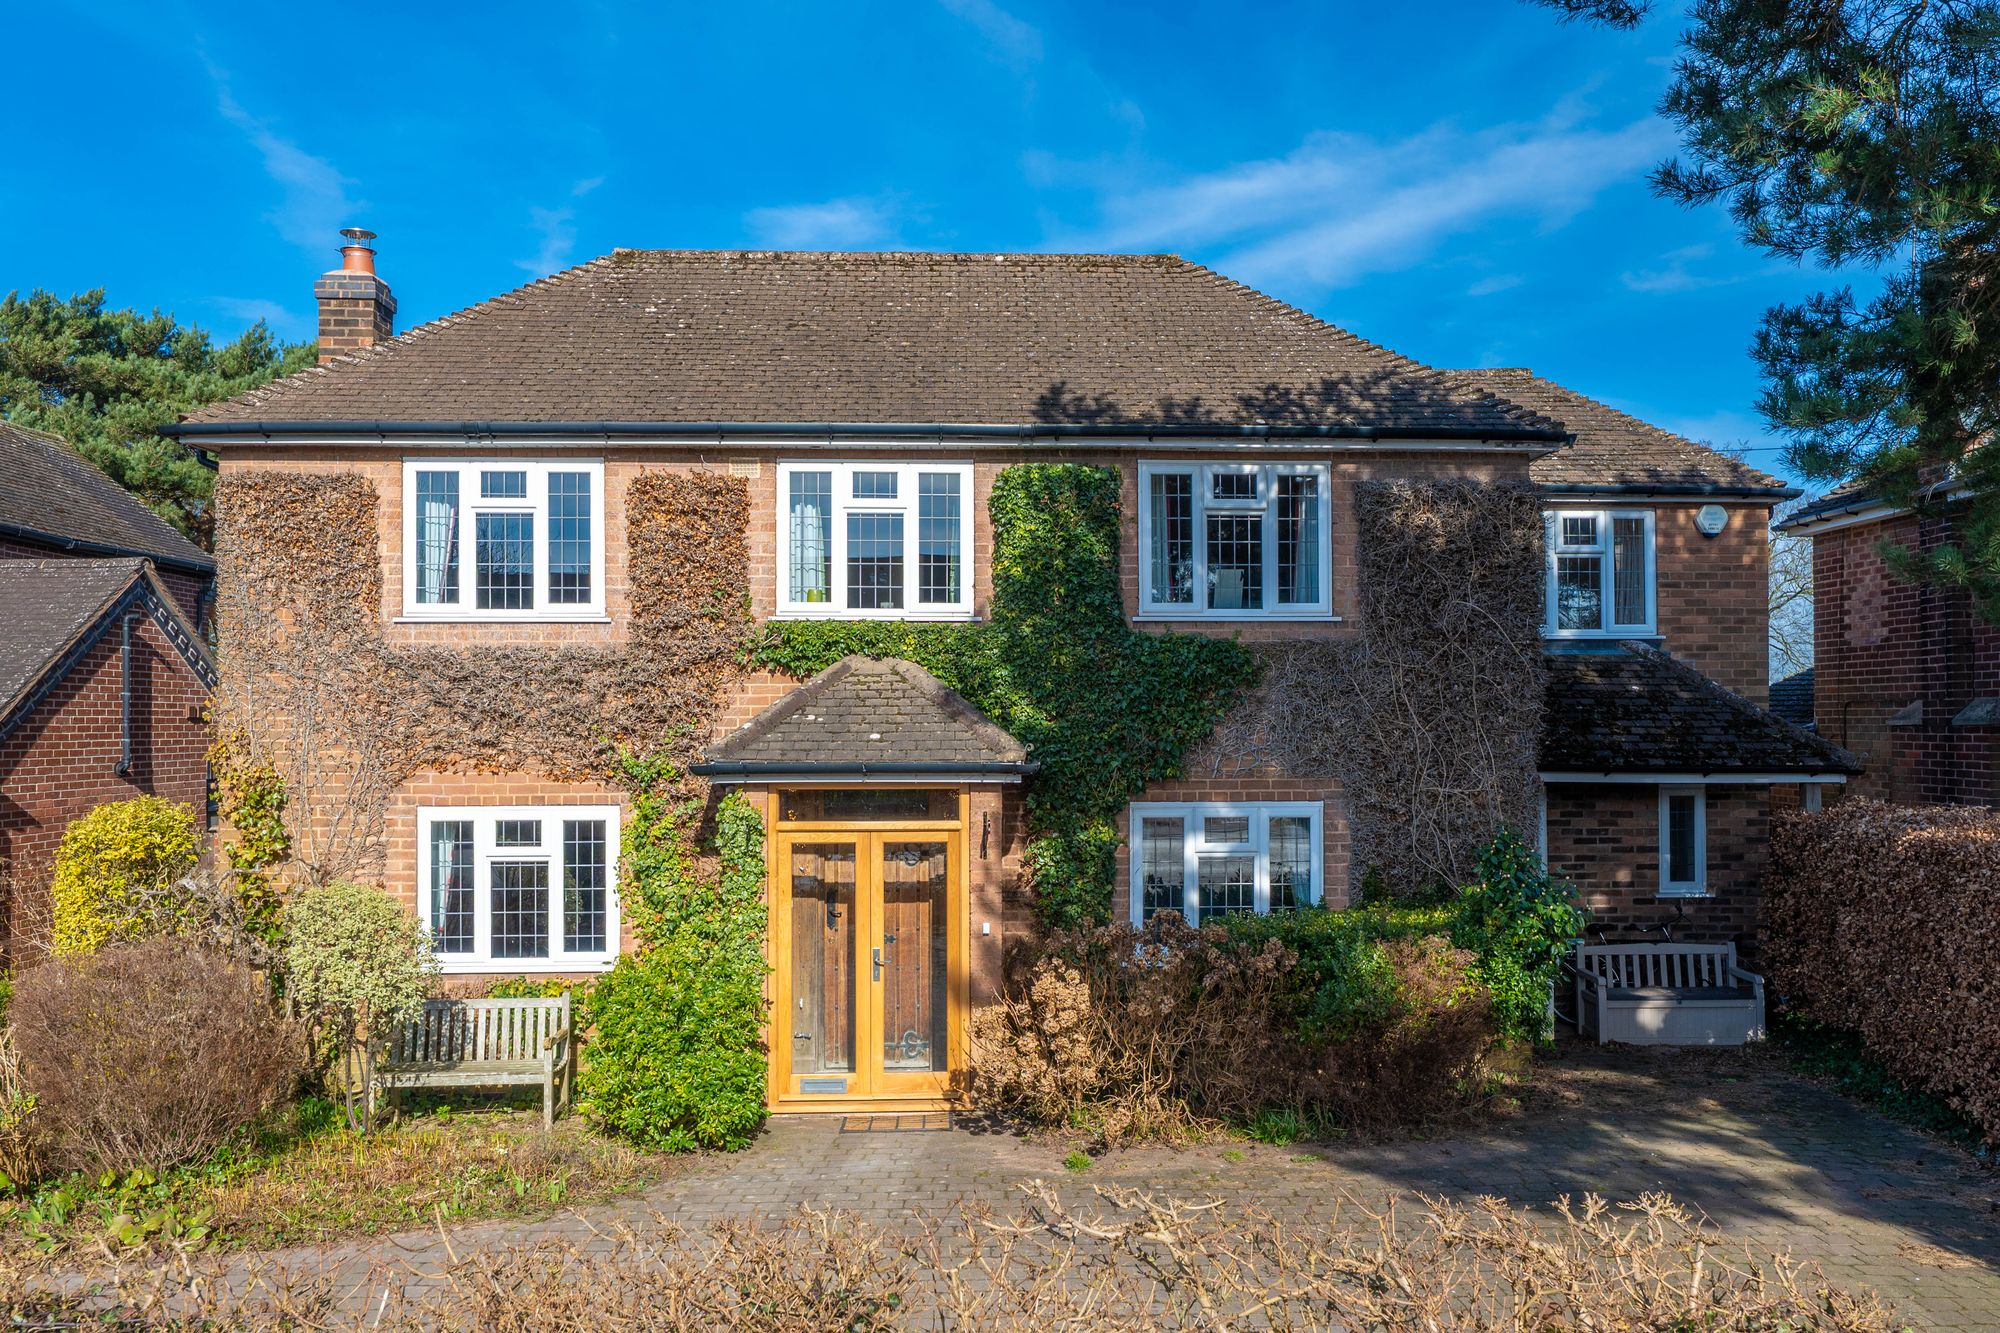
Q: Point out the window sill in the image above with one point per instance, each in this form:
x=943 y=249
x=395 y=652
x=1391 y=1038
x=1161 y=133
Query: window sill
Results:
x=1601 y=635
x=594 y=619
x=1684 y=893
x=1244 y=618
x=926 y=617
x=519 y=967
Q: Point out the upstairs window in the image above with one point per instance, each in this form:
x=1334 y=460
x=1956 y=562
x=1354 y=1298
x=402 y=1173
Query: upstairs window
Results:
x=1210 y=860
x=503 y=540
x=1600 y=572
x=522 y=889
x=1235 y=541
x=887 y=541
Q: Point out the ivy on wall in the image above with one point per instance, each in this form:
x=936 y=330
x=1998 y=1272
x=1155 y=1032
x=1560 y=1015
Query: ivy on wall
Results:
x=1105 y=709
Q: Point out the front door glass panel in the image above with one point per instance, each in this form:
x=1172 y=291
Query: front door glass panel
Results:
x=915 y=880
x=824 y=931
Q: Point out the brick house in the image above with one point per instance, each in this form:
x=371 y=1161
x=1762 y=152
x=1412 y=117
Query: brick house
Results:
x=863 y=406
x=102 y=685
x=1905 y=675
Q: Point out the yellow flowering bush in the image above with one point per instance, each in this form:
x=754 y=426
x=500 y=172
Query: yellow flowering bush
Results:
x=115 y=869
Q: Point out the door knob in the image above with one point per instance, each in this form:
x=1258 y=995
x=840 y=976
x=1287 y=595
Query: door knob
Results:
x=878 y=966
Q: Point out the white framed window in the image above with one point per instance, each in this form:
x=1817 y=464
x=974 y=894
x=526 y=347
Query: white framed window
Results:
x=519 y=888
x=1683 y=842
x=1207 y=860
x=503 y=539
x=876 y=541
x=1600 y=572
x=1235 y=541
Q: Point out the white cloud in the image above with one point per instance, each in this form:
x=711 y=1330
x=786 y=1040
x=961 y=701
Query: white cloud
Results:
x=1342 y=206
x=1676 y=275
x=1499 y=282
x=556 y=230
x=1019 y=42
x=313 y=200
x=838 y=224
x=284 y=321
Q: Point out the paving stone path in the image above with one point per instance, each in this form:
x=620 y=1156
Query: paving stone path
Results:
x=1780 y=1163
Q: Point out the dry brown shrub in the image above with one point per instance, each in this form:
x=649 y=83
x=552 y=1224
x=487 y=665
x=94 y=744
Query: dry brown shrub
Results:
x=1127 y=1263
x=1156 y=1033
x=1885 y=920
x=149 y=1055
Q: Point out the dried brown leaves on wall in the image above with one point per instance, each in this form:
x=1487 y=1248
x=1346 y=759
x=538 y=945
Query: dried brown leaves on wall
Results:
x=347 y=718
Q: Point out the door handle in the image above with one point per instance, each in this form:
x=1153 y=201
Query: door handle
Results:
x=878 y=966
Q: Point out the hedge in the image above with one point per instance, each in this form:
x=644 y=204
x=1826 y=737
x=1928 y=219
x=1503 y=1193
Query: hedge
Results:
x=1884 y=920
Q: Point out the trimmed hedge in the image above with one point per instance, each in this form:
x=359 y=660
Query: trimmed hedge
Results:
x=1884 y=920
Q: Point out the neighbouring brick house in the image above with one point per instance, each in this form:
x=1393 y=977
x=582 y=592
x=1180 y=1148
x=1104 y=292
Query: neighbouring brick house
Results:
x=102 y=685
x=487 y=488
x=1905 y=675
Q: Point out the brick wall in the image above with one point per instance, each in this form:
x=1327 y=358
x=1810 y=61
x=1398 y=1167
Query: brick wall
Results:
x=1606 y=839
x=1713 y=594
x=62 y=760
x=186 y=588
x=1881 y=644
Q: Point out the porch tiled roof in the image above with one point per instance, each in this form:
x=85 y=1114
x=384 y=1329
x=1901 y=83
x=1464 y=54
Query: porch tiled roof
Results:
x=1634 y=709
x=868 y=714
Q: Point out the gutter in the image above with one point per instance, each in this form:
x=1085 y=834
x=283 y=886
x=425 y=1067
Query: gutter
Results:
x=104 y=548
x=271 y=431
x=744 y=769
x=1703 y=489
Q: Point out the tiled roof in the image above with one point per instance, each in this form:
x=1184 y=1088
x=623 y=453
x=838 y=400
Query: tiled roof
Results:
x=1614 y=449
x=1634 y=709
x=49 y=490
x=52 y=608
x=866 y=713
x=1792 y=698
x=675 y=336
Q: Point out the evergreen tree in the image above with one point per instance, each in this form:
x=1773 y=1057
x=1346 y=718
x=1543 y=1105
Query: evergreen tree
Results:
x=106 y=381
x=1861 y=133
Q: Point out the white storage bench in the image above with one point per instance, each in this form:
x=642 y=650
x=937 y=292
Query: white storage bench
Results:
x=1667 y=995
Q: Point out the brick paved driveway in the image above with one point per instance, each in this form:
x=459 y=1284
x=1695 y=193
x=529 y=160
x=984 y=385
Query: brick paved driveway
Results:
x=1778 y=1162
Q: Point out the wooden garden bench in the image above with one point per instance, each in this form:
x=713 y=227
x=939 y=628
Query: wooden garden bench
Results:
x=484 y=1044
x=1667 y=995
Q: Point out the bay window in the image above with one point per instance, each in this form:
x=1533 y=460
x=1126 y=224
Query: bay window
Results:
x=1207 y=860
x=1600 y=572
x=502 y=539
x=1683 y=842
x=875 y=540
x=519 y=889
x=1235 y=540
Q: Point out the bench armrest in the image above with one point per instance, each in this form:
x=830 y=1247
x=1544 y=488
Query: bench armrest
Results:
x=1590 y=981
x=1756 y=981
x=556 y=1038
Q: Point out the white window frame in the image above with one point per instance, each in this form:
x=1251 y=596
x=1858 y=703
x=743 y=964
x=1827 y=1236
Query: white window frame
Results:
x=1604 y=549
x=1698 y=886
x=484 y=818
x=1151 y=607
x=536 y=504
x=1194 y=846
x=791 y=607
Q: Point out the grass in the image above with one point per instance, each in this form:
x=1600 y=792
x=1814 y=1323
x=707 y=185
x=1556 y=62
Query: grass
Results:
x=306 y=1178
x=1839 y=1058
x=1077 y=1162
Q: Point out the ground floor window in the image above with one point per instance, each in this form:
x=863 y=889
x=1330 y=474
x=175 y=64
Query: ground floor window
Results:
x=527 y=889
x=1683 y=842
x=1210 y=859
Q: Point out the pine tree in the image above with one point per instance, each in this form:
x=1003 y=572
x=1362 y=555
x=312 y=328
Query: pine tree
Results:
x=106 y=381
x=1862 y=133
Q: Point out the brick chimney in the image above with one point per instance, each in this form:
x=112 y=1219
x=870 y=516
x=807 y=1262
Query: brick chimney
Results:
x=355 y=307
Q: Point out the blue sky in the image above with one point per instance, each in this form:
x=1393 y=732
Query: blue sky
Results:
x=1464 y=182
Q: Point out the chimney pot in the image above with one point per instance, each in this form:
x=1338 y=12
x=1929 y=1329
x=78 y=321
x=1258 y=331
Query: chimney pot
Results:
x=356 y=308
x=357 y=256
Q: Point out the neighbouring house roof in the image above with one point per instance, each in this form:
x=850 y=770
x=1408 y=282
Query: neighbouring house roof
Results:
x=52 y=611
x=1014 y=340
x=1792 y=698
x=868 y=716
x=1634 y=709
x=1613 y=448
x=54 y=495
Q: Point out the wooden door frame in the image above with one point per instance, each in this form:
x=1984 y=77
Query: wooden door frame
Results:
x=919 y=1091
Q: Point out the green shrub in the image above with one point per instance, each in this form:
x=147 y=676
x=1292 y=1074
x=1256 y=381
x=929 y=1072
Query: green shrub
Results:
x=534 y=988
x=1520 y=922
x=116 y=870
x=676 y=1056
x=356 y=964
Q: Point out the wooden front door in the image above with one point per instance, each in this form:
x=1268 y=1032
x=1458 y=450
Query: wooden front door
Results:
x=868 y=963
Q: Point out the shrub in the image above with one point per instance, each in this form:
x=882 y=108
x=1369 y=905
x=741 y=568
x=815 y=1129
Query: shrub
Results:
x=149 y=1055
x=1520 y=922
x=1884 y=921
x=676 y=1059
x=115 y=872
x=356 y=964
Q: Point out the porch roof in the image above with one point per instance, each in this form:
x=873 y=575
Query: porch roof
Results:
x=869 y=719
x=1632 y=709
